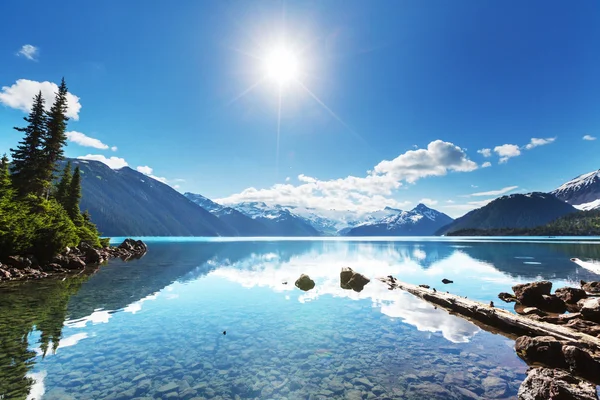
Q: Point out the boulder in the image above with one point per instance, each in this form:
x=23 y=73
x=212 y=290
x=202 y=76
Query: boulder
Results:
x=92 y=256
x=590 y=309
x=507 y=297
x=544 y=350
x=345 y=277
x=358 y=282
x=553 y=304
x=18 y=262
x=305 y=283
x=74 y=263
x=530 y=294
x=4 y=273
x=590 y=287
x=570 y=295
x=352 y=280
x=545 y=383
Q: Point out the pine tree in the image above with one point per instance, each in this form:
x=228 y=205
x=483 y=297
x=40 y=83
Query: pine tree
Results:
x=56 y=126
x=64 y=186
x=73 y=198
x=5 y=185
x=28 y=158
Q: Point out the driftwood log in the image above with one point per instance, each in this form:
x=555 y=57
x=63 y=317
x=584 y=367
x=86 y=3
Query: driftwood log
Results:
x=495 y=319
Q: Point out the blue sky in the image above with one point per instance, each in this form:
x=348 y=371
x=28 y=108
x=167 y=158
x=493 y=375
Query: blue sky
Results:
x=408 y=92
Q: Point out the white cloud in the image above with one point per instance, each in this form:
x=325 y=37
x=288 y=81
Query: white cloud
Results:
x=114 y=148
x=159 y=178
x=176 y=186
x=28 y=51
x=450 y=201
x=146 y=170
x=85 y=141
x=495 y=192
x=486 y=164
x=287 y=179
x=369 y=193
x=485 y=152
x=535 y=142
x=20 y=96
x=589 y=137
x=112 y=162
x=507 y=151
x=428 y=202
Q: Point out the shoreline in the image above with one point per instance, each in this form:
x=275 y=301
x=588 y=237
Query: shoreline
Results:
x=72 y=261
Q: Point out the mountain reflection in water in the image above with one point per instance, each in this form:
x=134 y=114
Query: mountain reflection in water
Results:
x=38 y=319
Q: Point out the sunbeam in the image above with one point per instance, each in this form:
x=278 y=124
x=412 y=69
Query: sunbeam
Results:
x=245 y=92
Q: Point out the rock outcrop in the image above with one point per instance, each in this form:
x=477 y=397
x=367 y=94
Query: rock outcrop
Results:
x=545 y=383
x=71 y=260
x=537 y=294
x=305 y=283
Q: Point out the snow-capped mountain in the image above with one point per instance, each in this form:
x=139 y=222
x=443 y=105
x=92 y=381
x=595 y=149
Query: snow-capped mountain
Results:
x=582 y=192
x=278 y=219
x=420 y=221
x=240 y=223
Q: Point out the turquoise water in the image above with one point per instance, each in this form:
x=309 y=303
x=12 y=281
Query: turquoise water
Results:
x=153 y=328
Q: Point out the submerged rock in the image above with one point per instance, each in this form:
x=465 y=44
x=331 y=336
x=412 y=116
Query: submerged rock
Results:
x=446 y=281
x=305 y=283
x=507 y=297
x=545 y=383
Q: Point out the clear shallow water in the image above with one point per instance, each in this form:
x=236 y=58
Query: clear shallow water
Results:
x=153 y=328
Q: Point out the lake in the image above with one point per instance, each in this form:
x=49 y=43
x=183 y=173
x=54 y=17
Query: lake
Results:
x=210 y=319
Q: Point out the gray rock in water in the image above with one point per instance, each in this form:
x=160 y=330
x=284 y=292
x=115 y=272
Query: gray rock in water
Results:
x=494 y=387
x=570 y=295
x=545 y=383
x=305 y=283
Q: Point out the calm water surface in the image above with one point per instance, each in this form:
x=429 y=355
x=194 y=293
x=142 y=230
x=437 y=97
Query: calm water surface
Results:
x=153 y=328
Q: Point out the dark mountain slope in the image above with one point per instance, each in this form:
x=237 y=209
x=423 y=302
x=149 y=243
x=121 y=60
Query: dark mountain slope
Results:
x=513 y=211
x=125 y=202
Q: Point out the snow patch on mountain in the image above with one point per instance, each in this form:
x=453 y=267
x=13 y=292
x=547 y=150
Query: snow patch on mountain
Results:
x=580 y=190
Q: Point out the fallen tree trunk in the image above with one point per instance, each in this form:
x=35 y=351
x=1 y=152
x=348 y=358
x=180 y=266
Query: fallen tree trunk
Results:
x=501 y=321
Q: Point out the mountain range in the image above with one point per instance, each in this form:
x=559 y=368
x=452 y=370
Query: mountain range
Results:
x=125 y=202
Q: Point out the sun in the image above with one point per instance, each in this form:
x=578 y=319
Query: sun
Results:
x=281 y=66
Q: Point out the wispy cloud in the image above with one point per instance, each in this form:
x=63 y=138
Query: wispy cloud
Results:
x=485 y=152
x=85 y=141
x=535 y=142
x=507 y=151
x=29 y=51
x=495 y=192
x=146 y=170
x=589 y=137
x=486 y=164
x=428 y=202
x=20 y=96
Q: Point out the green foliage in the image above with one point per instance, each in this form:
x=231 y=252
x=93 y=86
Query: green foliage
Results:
x=28 y=166
x=64 y=185
x=581 y=223
x=104 y=242
x=30 y=223
x=55 y=137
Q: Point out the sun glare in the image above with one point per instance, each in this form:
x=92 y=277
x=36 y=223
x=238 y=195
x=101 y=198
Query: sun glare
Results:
x=282 y=66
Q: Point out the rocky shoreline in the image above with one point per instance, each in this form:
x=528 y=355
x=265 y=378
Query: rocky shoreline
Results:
x=71 y=261
x=562 y=350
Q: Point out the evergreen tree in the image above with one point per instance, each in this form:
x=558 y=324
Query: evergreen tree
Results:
x=5 y=186
x=64 y=186
x=28 y=167
x=56 y=126
x=73 y=198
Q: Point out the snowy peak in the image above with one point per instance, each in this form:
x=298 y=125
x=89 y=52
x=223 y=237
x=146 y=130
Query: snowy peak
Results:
x=581 y=190
x=420 y=221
